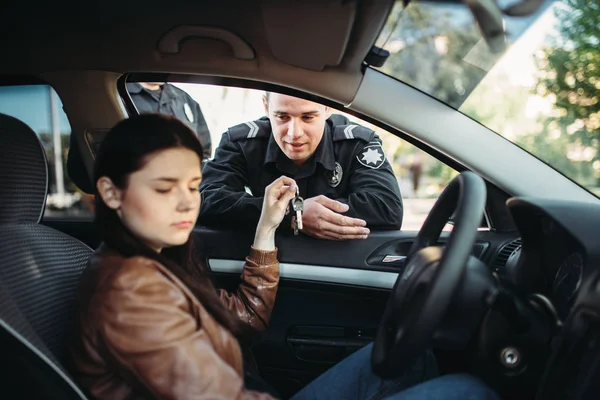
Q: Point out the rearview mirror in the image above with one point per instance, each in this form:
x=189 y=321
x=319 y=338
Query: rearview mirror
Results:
x=489 y=18
x=488 y=15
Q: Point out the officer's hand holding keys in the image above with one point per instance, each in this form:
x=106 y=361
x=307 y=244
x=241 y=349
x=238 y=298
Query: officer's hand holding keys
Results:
x=275 y=203
x=322 y=218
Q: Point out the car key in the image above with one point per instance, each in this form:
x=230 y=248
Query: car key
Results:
x=298 y=206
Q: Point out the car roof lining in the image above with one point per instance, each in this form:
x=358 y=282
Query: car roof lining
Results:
x=326 y=58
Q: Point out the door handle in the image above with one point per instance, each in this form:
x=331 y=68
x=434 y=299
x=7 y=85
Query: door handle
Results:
x=392 y=258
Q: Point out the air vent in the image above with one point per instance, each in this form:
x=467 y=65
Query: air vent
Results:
x=505 y=253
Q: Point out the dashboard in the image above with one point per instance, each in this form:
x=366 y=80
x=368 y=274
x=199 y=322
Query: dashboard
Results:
x=553 y=257
x=567 y=280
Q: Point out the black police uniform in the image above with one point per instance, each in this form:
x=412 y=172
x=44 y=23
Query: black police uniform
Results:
x=349 y=165
x=173 y=101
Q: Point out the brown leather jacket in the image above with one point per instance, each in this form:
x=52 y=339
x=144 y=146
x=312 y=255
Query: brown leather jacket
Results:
x=141 y=333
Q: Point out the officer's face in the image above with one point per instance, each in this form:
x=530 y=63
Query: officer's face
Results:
x=297 y=124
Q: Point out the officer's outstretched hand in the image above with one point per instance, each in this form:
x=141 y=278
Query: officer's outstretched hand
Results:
x=275 y=203
x=322 y=218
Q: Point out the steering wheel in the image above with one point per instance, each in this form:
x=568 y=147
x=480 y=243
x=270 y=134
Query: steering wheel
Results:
x=426 y=287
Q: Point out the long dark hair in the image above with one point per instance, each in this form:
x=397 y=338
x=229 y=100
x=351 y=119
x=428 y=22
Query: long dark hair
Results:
x=122 y=152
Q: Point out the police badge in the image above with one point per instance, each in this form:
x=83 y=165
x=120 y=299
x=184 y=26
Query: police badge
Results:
x=334 y=178
x=188 y=112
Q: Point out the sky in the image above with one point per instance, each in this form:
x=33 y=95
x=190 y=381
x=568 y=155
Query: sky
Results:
x=31 y=104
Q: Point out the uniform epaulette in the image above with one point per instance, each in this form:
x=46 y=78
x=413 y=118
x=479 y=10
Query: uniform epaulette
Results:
x=260 y=128
x=352 y=131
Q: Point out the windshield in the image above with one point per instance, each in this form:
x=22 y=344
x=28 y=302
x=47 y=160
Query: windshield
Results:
x=542 y=93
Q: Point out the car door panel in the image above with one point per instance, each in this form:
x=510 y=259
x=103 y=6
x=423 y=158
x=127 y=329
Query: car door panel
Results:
x=353 y=254
x=330 y=298
x=313 y=326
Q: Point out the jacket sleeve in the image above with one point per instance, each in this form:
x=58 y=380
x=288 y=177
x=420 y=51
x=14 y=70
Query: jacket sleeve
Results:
x=223 y=188
x=374 y=194
x=203 y=132
x=148 y=330
x=254 y=299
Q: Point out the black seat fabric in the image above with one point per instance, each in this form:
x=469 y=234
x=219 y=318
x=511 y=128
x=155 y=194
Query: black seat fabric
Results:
x=41 y=269
x=39 y=266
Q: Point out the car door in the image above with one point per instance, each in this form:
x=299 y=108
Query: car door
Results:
x=330 y=299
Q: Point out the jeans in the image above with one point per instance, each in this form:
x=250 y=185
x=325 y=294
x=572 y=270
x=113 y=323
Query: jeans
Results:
x=353 y=379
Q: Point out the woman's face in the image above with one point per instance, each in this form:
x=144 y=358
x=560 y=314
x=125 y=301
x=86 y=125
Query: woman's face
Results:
x=161 y=201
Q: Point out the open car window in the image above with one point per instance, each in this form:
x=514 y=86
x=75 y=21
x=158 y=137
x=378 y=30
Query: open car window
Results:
x=421 y=177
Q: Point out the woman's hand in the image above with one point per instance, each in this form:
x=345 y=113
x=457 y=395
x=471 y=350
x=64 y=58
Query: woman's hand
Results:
x=276 y=201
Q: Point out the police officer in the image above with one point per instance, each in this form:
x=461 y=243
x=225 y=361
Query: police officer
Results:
x=164 y=98
x=341 y=170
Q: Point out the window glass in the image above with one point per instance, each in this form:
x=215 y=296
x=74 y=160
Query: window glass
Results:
x=542 y=92
x=40 y=107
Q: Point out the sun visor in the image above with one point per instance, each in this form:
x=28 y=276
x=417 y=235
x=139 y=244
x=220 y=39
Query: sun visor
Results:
x=308 y=37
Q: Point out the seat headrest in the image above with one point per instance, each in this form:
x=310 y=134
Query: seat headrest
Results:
x=23 y=173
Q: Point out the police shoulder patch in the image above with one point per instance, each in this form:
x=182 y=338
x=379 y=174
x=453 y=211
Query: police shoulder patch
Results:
x=372 y=155
x=352 y=131
x=259 y=128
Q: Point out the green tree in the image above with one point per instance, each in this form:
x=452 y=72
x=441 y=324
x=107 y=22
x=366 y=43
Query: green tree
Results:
x=571 y=67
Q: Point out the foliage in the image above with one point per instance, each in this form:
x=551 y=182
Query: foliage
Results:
x=571 y=67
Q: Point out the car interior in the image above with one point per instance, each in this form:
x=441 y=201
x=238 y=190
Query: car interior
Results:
x=509 y=293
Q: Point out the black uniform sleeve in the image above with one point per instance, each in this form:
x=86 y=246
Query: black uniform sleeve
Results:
x=374 y=194
x=203 y=132
x=224 y=198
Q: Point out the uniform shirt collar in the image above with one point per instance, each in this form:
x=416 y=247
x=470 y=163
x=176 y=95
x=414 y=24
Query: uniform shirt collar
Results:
x=136 y=88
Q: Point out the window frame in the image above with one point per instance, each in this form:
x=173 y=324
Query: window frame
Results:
x=488 y=218
x=22 y=80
